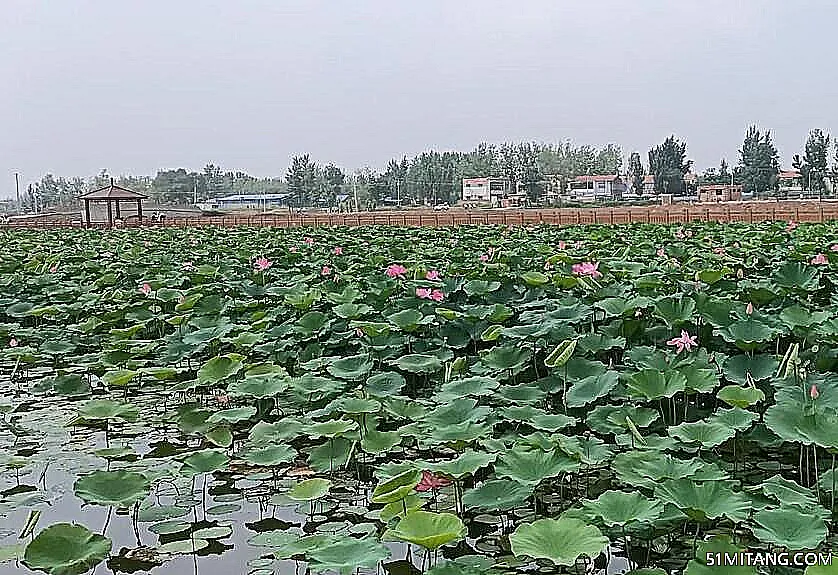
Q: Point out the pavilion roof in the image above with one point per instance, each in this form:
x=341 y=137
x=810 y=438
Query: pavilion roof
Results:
x=113 y=192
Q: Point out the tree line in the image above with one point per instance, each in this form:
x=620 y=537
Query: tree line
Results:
x=433 y=177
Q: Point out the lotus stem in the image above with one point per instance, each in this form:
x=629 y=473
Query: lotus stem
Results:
x=817 y=478
x=832 y=502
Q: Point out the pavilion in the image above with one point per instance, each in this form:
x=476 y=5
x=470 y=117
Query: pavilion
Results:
x=112 y=195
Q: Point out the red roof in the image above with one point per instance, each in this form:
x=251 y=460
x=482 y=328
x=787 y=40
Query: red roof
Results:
x=789 y=175
x=715 y=187
x=595 y=178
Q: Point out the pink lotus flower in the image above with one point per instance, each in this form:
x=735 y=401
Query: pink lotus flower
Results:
x=359 y=332
x=53 y=268
x=432 y=275
x=146 y=289
x=338 y=251
x=326 y=271
x=834 y=248
x=13 y=342
x=719 y=251
x=562 y=245
x=661 y=253
x=431 y=482
x=686 y=341
x=578 y=244
x=680 y=234
x=813 y=392
x=308 y=241
x=423 y=293
x=791 y=226
x=750 y=309
x=396 y=271
x=437 y=295
x=819 y=259
x=484 y=257
x=293 y=249
x=262 y=263
x=223 y=399
x=587 y=269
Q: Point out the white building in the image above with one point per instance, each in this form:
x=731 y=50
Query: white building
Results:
x=591 y=188
x=484 y=190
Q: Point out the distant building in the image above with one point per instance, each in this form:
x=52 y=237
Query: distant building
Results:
x=720 y=193
x=490 y=191
x=790 y=181
x=245 y=202
x=592 y=188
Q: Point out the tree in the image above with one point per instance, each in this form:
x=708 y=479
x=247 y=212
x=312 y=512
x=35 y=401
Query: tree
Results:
x=213 y=181
x=724 y=172
x=608 y=161
x=174 y=186
x=668 y=164
x=814 y=164
x=759 y=162
x=333 y=180
x=301 y=179
x=636 y=172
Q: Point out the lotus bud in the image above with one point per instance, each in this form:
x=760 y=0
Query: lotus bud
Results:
x=740 y=274
x=750 y=309
x=813 y=392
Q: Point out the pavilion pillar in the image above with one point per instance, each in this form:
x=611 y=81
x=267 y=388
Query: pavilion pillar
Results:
x=87 y=213
x=118 y=216
x=110 y=215
x=140 y=211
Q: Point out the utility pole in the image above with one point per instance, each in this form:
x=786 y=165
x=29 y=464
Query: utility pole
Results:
x=355 y=190
x=17 y=190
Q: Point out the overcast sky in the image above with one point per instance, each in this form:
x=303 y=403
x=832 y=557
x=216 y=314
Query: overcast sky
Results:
x=132 y=86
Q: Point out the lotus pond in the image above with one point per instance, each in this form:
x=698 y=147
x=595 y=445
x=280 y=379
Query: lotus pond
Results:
x=449 y=401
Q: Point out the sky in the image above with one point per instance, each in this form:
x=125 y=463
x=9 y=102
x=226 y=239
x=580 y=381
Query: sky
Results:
x=139 y=85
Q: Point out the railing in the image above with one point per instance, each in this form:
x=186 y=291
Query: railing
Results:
x=743 y=212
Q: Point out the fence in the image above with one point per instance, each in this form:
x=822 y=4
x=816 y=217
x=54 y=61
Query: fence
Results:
x=743 y=212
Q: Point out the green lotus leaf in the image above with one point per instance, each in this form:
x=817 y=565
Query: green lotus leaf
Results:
x=385 y=384
x=591 y=388
x=737 y=396
x=332 y=455
x=675 y=310
x=475 y=386
x=561 y=541
x=652 y=384
x=737 y=368
x=401 y=508
x=184 y=546
x=259 y=386
x=380 y=441
x=480 y=287
x=106 y=409
x=277 y=538
x=428 y=530
x=795 y=275
x=418 y=363
x=506 y=358
x=270 y=456
x=116 y=488
x=65 y=549
x=789 y=528
x=533 y=466
x=119 y=377
x=232 y=415
x=219 y=368
x=205 y=461
x=456 y=412
x=497 y=495
x=352 y=367
x=330 y=428
x=396 y=488
x=309 y=489
x=618 y=508
x=705 y=500
x=465 y=464
x=708 y=434
x=348 y=555
x=716 y=548
x=535 y=279
x=408 y=320
x=215 y=532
